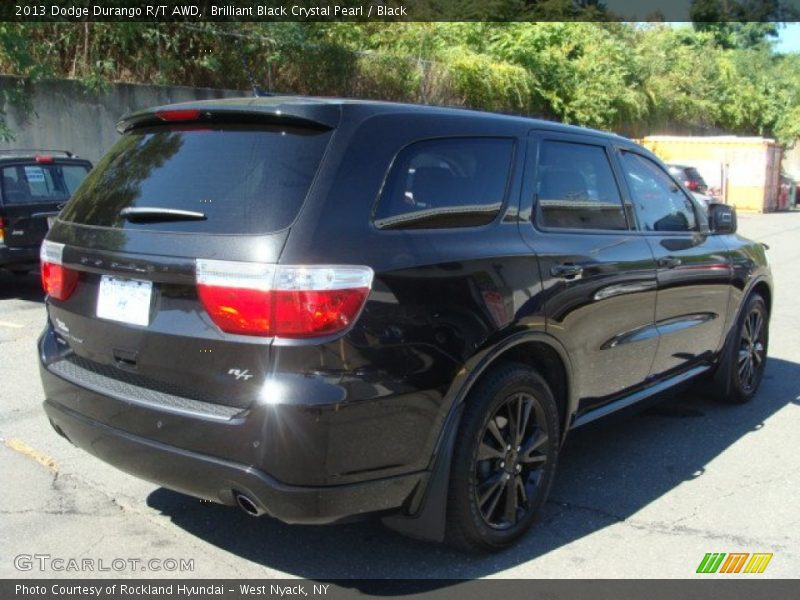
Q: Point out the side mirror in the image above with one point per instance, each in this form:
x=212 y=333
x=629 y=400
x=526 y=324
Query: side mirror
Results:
x=721 y=218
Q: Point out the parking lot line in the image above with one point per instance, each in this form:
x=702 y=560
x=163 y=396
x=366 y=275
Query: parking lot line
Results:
x=25 y=450
x=11 y=325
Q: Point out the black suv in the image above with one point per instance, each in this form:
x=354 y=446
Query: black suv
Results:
x=34 y=185
x=323 y=309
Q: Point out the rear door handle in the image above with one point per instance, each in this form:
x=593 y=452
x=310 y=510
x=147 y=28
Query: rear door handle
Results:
x=669 y=262
x=566 y=271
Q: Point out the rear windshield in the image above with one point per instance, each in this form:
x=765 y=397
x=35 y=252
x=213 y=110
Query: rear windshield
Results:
x=242 y=179
x=33 y=183
x=694 y=175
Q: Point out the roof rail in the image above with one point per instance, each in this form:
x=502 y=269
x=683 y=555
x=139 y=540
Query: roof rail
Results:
x=20 y=151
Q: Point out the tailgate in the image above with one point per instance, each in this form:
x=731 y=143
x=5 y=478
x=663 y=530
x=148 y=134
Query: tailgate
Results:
x=26 y=225
x=33 y=189
x=128 y=245
x=135 y=319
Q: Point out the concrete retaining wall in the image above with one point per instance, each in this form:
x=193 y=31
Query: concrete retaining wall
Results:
x=66 y=117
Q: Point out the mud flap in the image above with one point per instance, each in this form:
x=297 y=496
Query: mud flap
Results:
x=719 y=384
x=428 y=523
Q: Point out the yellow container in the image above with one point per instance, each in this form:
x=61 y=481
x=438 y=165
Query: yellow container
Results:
x=746 y=170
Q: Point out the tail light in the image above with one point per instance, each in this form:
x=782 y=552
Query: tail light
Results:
x=2 y=230
x=692 y=185
x=282 y=300
x=58 y=281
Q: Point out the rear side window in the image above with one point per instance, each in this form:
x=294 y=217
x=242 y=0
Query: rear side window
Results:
x=243 y=179
x=694 y=175
x=29 y=184
x=576 y=188
x=458 y=182
x=660 y=204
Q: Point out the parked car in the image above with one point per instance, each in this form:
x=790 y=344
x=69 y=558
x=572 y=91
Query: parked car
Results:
x=34 y=184
x=786 y=192
x=689 y=176
x=327 y=309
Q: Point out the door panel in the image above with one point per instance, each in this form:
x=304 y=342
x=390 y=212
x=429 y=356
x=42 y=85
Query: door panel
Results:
x=604 y=318
x=693 y=270
x=599 y=277
x=693 y=291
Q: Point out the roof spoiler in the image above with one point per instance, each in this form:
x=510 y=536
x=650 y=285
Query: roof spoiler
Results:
x=21 y=151
x=274 y=110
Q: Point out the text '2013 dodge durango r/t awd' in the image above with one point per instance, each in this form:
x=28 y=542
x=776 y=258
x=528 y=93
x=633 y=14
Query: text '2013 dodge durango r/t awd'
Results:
x=322 y=309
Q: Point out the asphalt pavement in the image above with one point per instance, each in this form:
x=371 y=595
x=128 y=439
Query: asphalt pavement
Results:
x=646 y=496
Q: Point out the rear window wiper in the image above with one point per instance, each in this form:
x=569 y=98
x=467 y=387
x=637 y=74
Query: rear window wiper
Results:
x=147 y=214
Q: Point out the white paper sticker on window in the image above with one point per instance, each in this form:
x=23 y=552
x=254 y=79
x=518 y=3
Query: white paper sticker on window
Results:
x=34 y=174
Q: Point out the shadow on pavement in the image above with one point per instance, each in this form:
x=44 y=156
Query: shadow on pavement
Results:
x=23 y=287
x=607 y=474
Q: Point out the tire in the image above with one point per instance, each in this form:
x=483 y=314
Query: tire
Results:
x=481 y=514
x=746 y=355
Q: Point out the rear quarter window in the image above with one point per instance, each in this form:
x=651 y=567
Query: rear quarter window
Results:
x=244 y=179
x=444 y=183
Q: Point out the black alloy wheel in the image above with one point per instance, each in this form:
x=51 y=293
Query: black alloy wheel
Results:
x=508 y=466
x=504 y=458
x=752 y=354
x=743 y=363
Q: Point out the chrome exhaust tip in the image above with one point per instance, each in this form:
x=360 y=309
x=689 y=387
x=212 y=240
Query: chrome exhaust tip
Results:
x=248 y=505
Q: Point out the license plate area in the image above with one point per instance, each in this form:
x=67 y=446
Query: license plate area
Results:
x=124 y=300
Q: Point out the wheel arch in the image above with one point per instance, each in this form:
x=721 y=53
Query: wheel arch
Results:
x=762 y=288
x=427 y=510
x=535 y=349
x=720 y=380
x=549 y=363
x=538 y=350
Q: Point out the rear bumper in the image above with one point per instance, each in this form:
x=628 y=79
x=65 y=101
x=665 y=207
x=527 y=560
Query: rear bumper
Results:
x=287 y=458
x=26 y=257
x=219 y=480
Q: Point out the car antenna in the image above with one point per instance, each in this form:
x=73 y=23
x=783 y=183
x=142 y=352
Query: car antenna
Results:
x=257 y=91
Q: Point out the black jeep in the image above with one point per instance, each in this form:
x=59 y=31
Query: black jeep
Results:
x=34 y=186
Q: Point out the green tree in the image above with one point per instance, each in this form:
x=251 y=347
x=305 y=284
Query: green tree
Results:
x=624 y=77
x=16 y=56
x=742 y=23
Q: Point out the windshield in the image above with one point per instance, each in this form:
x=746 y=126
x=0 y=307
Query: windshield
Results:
x=694 y=175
